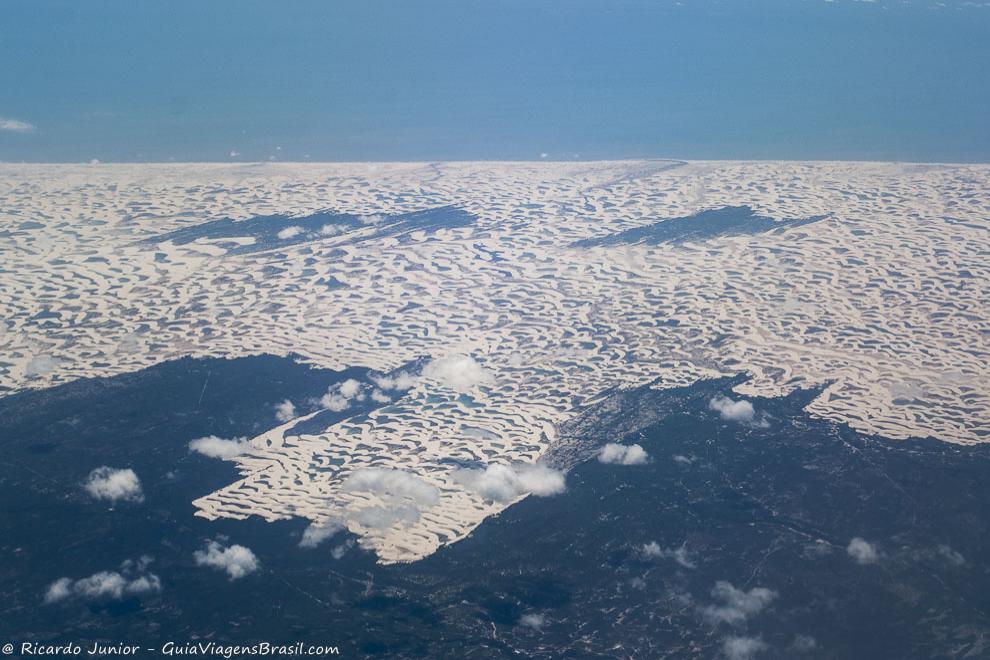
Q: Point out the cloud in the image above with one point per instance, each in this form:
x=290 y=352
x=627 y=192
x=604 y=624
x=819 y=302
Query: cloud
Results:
x=350 y=388
x=380 y=517
x=737 y=605
x=862 y=551
x=504 y=483
x=285 y=411
x=316 y=534
x=340 y=550
x=683 y=460
x=236 y=560
x=331 y=230
x=380 y=397
x=400 y=381
x=652 y=550
x=534 y=621
x=39 y=365
x=339 y=397
x=458 y=372
x=132 y=580
x=733 y=411
x=107 y=483
x=215 y=447
x=623 y=454
x=290 y=232
x=393 y=483
x=234 y=153
x=742 y=648
x=15 y=125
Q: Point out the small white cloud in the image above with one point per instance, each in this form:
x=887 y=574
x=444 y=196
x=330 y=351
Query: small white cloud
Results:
x=623 y=454
x=393 y=483
x=683 y=460
x=132 y=580
x=737 y=605
x=460 y=373
x=290 y=232
x=380 y=397
x=15 y=125
x=234 y=153
x=534 y=621
x=340 y=550
x=350 y=388
x=107 y=483
x=285 y=411
x=652 y=550
x=215 y=447
x=862 y=551
x=400 y=381
x=804 y=643
x=339 y=397
x=331 y=230
x=94 y=161
x=236 y=560
x=504 y=483
x=371 y=219
x=742 y=648
x=733 y=411
x=316 y=534
x=544 y=155
x=380 y=517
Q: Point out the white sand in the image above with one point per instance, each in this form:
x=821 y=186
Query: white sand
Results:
x=887 y=298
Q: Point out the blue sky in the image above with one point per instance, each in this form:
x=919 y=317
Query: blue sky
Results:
x=493 y=79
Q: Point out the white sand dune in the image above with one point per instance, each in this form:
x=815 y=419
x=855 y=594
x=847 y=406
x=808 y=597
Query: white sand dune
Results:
x=886 y=299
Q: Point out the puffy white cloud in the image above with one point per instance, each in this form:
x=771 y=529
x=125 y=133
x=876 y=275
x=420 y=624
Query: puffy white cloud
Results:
x=335 y=401
x=234 y=153
x=460 y=373
x=331 y=230
x=393 y=483
x=380 y=517
x=316 y=534
x=107 y=483
x=683 y=460
x=371 y=219
x=504 y=483
x=534 y=621
x=350 y=388
x=15 y=125
x=742 y=648
x=285 y=411
x=216 y=447
x=652 y=550
x=737 y=605
x=623 y=454
x=380 y=397
x=236 y=560
x=733 y=411
x=400 y=381
x=339 y=397
x=290 y=232
x=132 y=580
x=862 y=551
